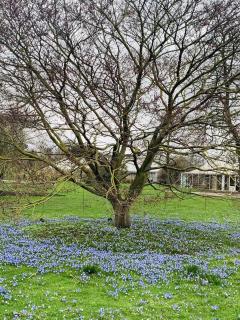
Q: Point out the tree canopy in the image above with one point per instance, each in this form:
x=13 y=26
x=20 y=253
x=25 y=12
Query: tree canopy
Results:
x=116 y=78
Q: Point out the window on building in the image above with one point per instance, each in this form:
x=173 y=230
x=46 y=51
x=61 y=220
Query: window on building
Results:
x=232 y=181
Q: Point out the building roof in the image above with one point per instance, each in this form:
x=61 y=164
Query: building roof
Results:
x=132 y=169
x=215 y=167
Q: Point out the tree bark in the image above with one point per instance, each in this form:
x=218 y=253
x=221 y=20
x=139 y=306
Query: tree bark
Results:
x=121 y=214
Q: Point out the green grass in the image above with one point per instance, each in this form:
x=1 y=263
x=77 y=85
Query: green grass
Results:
x=77 y=201
x=67 y=296
x=72 y=200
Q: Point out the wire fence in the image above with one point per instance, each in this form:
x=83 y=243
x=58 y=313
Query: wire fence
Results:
x=153 y=203
x=167 y=205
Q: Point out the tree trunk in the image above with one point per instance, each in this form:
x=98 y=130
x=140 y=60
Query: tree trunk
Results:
x=121 y=215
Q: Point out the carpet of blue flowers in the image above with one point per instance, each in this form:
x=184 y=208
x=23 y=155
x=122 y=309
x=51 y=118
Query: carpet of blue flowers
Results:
x=155 y=258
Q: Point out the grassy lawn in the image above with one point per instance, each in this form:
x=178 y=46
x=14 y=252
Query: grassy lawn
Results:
x=180 y=259
x=72 y=200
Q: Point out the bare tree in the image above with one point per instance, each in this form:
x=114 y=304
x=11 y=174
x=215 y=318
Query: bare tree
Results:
x=226 y=101
x=113 y=79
